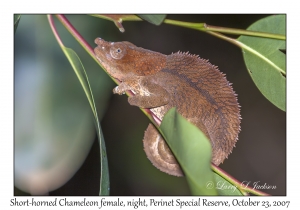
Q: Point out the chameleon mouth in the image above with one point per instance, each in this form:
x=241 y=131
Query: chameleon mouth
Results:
x=99 y=53
x=99 y=58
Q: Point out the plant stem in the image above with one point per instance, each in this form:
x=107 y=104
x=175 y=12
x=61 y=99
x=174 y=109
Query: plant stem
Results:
x=118 y=19
x=76 y=35
x=242 y=187
x=52 y=25
x=197 y=26
x=209 y=28
x=244 y=32
x=245 y=47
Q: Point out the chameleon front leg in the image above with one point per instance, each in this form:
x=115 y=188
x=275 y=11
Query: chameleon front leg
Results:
x=121 y=89
x=128 y=83
x=147 y=93
x=150 y=95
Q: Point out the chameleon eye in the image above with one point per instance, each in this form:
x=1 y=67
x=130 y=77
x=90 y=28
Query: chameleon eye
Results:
x=117 y=51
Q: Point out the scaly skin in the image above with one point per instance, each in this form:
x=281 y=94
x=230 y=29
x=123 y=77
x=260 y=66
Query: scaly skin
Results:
x=198 y=90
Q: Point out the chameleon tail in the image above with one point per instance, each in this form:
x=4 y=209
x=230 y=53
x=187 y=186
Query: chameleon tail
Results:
x=159 y=153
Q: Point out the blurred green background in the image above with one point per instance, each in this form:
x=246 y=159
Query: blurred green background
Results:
x=56 y=150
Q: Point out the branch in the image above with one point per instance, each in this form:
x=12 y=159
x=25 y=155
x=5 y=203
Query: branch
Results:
x=208 y=28
x=236 y=183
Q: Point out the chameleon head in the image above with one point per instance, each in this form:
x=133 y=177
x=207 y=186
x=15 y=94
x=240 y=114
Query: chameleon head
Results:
x=122 y=59
x=111 y=55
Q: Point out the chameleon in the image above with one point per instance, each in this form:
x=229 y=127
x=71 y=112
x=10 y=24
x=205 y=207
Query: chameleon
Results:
x=198 y=90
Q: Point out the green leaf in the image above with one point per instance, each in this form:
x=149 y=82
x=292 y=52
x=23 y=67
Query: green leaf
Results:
x=265 y=62
x=224 y=187
x=82 y=76
x=192 y=150
x=154 y=19
x=16 y=21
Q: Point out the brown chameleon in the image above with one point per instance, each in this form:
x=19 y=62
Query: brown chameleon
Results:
x=198 y=90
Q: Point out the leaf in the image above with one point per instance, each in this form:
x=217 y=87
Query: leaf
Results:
x=54 y=129
x=54 y=126
x=265 y=61
x=82 y=76
x=154 y=19
x=224 y=187
x=192 y=150
x=16 y=21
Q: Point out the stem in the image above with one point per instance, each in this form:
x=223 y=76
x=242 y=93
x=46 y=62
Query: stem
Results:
x=245 y=47
x=118 y=19
x=208 y=28
x=244 y=32
x=197 y=26
x=52 y=25
x=76 y=35
x=243 y=188
x=226 y=38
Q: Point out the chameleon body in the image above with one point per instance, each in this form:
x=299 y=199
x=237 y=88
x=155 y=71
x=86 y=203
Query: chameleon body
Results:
x=198 y=90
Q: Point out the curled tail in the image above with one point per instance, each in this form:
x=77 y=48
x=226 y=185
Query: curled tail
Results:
x=159 y=153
